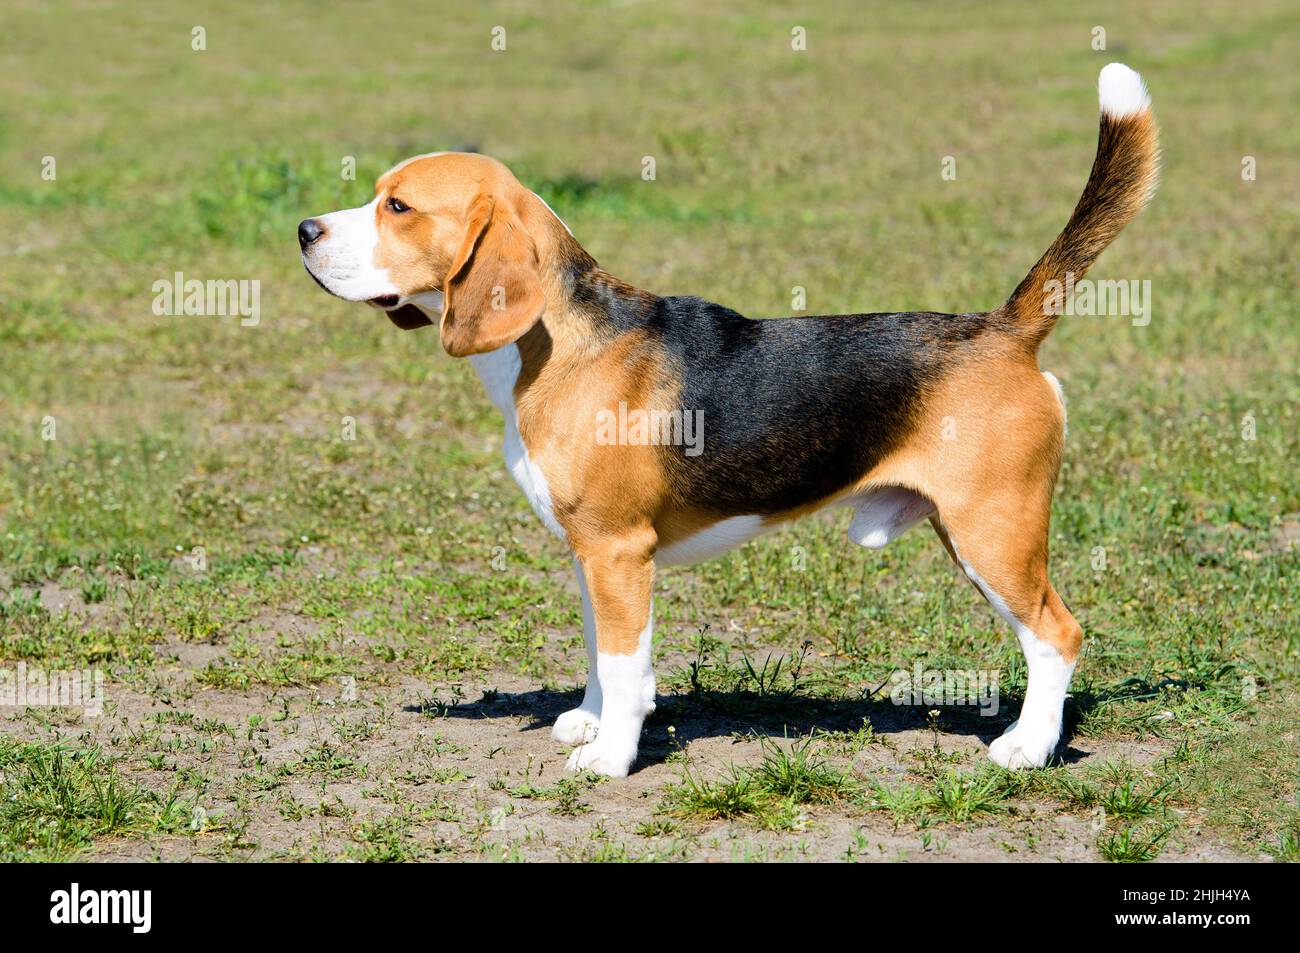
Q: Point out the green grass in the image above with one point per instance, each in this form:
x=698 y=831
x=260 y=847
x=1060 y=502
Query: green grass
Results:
x=958 y=797
x=566 y=795
x=55 y=800
x=788 y=777
x=377 y=559
x=1132 y=845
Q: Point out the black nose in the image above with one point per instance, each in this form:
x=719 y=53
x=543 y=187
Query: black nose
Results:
x=308 y=231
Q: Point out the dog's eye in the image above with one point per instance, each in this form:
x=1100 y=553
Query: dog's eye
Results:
x=396 y=205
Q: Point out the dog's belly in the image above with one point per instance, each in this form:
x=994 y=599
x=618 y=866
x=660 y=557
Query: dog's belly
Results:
x=881 y=515
x=713 y=540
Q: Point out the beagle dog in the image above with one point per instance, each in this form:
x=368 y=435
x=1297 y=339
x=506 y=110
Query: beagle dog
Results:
x=899 y=417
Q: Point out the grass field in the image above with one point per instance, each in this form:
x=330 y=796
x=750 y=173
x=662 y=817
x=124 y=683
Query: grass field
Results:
x=327 y=648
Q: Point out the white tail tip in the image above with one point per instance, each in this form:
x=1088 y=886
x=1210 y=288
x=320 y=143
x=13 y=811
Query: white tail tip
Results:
x=1122 y=92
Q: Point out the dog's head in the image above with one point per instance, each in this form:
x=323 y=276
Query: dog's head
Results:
x=450 y=236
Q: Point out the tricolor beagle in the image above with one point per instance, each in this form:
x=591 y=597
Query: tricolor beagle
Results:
x=900 y=417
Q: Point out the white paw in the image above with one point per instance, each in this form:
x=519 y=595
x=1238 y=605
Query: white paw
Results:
x=603 y=757
x=1024 y=747
x=576 y=727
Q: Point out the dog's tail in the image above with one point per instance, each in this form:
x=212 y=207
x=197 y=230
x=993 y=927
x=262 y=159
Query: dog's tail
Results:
x=1123 y=179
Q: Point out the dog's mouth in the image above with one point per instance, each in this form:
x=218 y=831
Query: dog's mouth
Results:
x=406 y=316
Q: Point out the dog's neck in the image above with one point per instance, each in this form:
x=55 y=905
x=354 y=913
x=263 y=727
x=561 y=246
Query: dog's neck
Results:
x=586 y=309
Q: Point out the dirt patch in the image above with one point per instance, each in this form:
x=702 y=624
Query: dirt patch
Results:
x=397 y=767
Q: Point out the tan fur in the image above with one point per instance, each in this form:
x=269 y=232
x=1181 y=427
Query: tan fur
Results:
x=620 y=574
x=493 y=291
x=605 y=496
x=986 y=450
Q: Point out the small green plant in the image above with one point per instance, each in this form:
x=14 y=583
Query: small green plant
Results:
x=851 y=742
x=960 y=796
x=769 y=793
x=953 y=796
x=566 y=793
x=1287 y=848
x=1128 y=801
x=905 y=802
x=762 y=681
x=796 y=773
x=385 y=840
x=94 y=589
x=55 y=800
x=731 y=797
x=656 y=828
x=1132 y=845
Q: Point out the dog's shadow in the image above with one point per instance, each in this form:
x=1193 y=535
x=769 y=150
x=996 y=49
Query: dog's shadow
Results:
x=726 y=714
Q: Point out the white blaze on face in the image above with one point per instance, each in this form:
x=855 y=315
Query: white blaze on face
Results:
x=343 y=259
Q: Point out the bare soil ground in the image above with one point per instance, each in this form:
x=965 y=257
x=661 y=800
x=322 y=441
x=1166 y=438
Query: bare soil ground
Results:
x=403 y=768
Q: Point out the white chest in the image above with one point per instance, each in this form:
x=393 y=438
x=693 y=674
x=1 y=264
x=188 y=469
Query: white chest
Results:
x=498 y=370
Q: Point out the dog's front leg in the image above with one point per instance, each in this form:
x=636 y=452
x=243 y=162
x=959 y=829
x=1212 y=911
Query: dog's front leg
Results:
x=619 y=576
x=578 y=725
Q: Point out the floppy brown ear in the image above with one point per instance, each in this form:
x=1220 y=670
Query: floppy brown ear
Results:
x=493 y=293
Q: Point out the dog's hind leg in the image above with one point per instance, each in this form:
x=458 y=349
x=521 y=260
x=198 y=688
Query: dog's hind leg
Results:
x=986 y=450
x=578 y=725
x=1004 y=553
